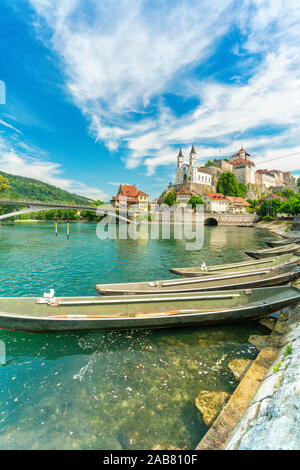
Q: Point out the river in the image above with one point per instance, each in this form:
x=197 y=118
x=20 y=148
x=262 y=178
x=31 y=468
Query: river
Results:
x=110 y=390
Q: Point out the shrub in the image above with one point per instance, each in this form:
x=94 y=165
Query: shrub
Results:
x=288 y=350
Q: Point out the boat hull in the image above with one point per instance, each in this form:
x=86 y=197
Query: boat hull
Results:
x=264 y=302
x=289 y=249
x=268 y=278
x=275 y=261
x=274 y=244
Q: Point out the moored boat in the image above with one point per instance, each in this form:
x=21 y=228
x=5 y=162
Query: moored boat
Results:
x=145 y=311
x=275 y=243
x=293 y=248
x=239 y=280
x=250 y=265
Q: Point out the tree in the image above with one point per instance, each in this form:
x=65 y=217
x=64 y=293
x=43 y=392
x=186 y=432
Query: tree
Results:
x=228 y=185
x=289 y=193
x=291 y=206
x=194 y=200
x=209 y=163
x=170 y=199
x=254 y=203
x=270 y=207
x=242 y=190
x=4 y=184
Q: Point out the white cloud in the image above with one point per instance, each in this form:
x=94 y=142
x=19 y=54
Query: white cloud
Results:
x=6 y=124
x=119 y=56
x=21 y=163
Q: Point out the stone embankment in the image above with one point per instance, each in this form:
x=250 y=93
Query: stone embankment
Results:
x=264 y=410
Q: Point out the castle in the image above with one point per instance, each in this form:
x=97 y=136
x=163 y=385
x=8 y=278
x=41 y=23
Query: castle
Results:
x=240 y=164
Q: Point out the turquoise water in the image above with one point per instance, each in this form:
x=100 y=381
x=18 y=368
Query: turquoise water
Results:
x=110 y=390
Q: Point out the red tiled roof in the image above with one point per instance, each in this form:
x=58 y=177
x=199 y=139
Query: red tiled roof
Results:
x=216 y=196
x=130 y=190
x=184 y=191
x=238 y=201
x=241 y=150
x=273 y=196
x=203 y=170
x=262 y=172
x=242 y=161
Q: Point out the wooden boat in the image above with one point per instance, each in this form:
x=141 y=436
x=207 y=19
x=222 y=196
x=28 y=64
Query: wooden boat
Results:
x=293 y=248
x=240 y=280
x=235 y=267
x=144 y=311
x=275 y=243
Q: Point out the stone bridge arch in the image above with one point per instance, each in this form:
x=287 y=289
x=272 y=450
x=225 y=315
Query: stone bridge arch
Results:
x=211 y=221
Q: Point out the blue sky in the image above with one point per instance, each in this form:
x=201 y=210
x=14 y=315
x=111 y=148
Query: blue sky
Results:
x=100 y=93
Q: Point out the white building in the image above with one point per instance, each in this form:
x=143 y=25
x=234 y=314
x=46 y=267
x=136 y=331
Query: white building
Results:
x=266 y=179
x=183 y=196
x=190 y=173
x=215 y=202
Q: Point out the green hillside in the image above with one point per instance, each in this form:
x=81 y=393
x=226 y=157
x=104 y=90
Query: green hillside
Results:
x=35 y=190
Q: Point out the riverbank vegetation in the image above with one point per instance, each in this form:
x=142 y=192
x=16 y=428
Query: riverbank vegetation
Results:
x=287 y=203
x=22 y=188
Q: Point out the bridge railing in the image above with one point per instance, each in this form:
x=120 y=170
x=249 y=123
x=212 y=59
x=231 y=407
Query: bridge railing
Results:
x=26 y=202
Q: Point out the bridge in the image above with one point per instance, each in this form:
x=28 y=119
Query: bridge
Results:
x=210 y=218
x=38 y=206
x=218 y=218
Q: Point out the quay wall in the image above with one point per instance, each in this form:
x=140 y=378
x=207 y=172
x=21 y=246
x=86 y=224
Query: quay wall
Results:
x=272 y=420
x=264 y=411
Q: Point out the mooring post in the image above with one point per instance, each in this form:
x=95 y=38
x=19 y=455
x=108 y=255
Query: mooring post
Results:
x=56 y=229
x=68 y=231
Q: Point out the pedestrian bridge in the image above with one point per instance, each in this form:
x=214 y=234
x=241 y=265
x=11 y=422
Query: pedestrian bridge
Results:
x=38 y=206
x=210 y=218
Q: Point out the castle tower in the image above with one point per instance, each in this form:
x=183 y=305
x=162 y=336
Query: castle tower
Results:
x=180 y=159
x=243 y=153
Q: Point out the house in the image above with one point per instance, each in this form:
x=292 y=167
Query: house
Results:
x=129 y=195
x=215 y=202
x=272 y=197
x=183 y=196
x=153 y=205
x=237 y=205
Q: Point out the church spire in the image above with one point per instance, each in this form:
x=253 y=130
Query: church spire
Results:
x=193 y=157
x=180 y=159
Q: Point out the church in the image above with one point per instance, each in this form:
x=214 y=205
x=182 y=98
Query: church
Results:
x=190 y=172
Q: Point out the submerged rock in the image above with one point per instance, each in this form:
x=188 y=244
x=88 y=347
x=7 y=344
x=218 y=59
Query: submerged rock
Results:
x=268 y=323
x=238 y=367
x=209 y=404
x=258 y=341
